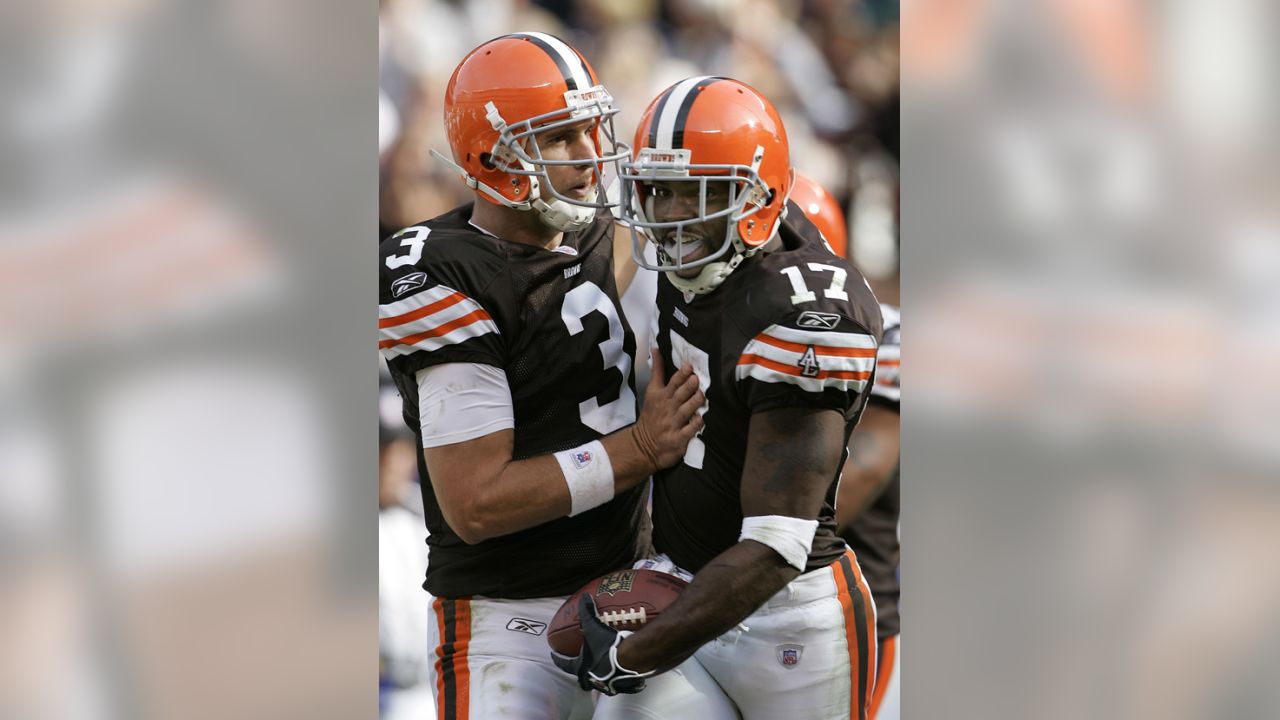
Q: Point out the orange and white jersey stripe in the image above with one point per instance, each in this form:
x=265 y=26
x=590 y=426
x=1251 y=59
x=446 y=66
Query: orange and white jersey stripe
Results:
x=812 y=360
x=430 y=320
x=888 y=383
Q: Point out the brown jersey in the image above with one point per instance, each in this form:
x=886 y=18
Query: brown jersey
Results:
x=793 y=327
x=873 y=535
x=551 y=320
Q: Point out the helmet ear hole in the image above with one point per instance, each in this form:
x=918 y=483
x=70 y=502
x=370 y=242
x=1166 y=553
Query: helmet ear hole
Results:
x=486 y=159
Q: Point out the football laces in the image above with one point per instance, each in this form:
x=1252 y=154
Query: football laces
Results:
x=622 y=617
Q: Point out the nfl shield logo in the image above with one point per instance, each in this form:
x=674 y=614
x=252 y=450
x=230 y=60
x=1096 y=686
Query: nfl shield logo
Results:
x=789 y=655
x=580 y=459
x=615 y=583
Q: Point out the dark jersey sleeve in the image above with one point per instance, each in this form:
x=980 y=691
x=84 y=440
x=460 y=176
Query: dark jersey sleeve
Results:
x=888 y=385
x=807 y=359
x=434 y=305
x=811 y=327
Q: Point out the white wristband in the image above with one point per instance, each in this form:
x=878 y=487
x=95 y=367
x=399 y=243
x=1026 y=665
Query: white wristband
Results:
x=790 y=537
x=589 y=475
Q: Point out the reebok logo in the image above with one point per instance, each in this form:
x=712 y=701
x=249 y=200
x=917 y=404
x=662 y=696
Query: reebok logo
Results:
x=412 y=281
x=817 y=320
x=529 y=627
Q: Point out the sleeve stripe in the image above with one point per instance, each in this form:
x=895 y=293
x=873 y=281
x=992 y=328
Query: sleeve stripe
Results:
x=477 y=316
x=828 y=350
x=886 y=391
x=452 y=299
x=808 y=384
x=794 y=356
x=430 y=320
x=785 y=369
x=812 y=360
x=432 y=344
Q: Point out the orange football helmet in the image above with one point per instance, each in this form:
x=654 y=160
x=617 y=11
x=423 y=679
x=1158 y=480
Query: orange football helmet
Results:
x=708 y=129
x=500 y=97
x=822 y=210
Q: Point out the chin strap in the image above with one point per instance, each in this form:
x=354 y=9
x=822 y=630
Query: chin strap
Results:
x=714 y=273
x=708 y=279
x=557 y=214
x=563 y=216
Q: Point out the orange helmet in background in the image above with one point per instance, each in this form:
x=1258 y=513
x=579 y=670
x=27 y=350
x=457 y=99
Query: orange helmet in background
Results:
x=500 y=97
x=822 y=210
x=708 y=129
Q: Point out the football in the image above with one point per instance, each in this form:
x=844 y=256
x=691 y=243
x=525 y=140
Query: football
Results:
x=625 y=600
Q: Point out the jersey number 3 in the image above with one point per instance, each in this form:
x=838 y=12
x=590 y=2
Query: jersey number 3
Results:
x=579 y=303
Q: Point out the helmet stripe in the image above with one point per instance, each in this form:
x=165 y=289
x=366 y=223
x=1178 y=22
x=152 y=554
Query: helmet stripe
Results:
x=673 y=112
x=657 y=115
x=570 y=64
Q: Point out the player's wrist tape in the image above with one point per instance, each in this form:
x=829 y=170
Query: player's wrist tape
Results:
x=589 y=475
x=790 y=537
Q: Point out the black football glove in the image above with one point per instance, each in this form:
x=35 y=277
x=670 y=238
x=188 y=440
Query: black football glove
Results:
x=596 y=667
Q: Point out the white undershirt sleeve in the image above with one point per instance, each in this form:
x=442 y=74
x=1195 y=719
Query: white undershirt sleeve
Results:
x=462 y=401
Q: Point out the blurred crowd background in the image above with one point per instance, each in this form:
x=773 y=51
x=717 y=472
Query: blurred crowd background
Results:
x=830 y=67
x=1091 y=290
x=1091 y=279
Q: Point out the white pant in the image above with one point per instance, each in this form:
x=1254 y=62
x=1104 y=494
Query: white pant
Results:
x=886 y=700
x=492 y=661
x=808 y=653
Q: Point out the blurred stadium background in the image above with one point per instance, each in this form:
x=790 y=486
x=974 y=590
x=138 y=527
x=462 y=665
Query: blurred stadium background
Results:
x=1092 y=247
x=830 y=67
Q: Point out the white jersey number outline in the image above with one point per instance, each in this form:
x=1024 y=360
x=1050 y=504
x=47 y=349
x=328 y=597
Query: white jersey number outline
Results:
x=682 y=351
x=803 y=294
x=579 y=303
x=414 y=239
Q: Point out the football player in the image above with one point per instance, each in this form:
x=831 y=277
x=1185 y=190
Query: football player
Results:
x=823 y=211
x=500 y=324
x=782 y=335
x=868 y=507
x=868 y=499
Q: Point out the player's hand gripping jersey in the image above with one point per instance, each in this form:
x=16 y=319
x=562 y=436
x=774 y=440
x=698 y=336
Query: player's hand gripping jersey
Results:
x=796 y=327
x=550 y=320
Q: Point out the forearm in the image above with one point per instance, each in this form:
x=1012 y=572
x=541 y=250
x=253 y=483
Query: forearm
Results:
x=723 y=593
x=484 y=493
x=530 y=492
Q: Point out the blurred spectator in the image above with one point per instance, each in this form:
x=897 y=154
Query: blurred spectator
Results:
x=1093 y=185
x=167 y=453
x=404 y=650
